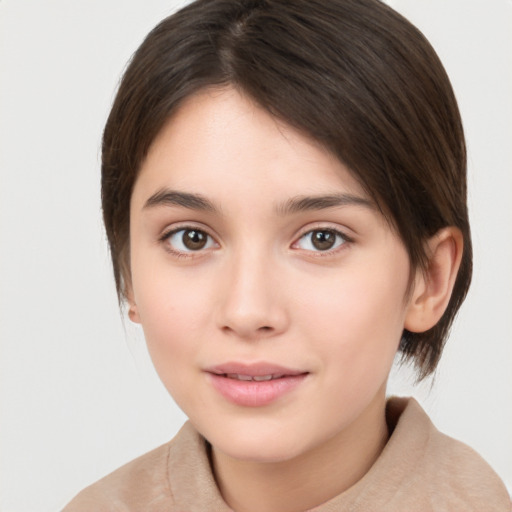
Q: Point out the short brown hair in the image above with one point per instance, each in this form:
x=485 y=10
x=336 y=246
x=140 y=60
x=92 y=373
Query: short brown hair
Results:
x=352 y=74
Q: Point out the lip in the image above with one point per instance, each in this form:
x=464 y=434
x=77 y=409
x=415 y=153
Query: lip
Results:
x=254 y=393
x=253 y=369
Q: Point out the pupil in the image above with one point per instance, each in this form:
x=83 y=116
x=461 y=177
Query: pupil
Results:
x=323 y=240
x=194 y=240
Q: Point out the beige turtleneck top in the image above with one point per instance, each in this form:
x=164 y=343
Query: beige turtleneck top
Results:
x=419 y=470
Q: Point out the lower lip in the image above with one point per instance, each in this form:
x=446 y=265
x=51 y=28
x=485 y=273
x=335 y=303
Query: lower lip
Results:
x=253 y=393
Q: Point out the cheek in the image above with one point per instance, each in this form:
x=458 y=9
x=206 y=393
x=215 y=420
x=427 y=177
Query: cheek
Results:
x=357 y=319
x=173 y=310
x=171 y=321
x=357 y=301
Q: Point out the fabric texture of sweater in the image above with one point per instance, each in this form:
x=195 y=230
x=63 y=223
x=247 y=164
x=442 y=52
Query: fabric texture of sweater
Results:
x=419 y=470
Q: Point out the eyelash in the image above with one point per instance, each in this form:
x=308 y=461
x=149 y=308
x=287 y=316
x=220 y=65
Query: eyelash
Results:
x=328 y=252
x=165 y=238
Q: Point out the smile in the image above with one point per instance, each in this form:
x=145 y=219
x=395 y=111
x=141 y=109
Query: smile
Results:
x=254 y=385
x=257 y=378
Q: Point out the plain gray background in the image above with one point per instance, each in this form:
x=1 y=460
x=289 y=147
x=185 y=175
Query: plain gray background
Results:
x=78 y=394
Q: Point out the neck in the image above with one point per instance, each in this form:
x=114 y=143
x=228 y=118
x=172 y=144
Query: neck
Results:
x=310 y=479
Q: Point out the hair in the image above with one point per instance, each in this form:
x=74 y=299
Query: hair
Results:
x=352 y=74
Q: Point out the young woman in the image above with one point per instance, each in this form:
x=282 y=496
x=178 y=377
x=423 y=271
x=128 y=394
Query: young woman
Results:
x=284 y=194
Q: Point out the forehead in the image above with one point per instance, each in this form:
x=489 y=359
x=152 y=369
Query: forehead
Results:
x=220 y=141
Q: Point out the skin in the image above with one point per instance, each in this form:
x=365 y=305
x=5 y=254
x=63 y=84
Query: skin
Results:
x=259 y=290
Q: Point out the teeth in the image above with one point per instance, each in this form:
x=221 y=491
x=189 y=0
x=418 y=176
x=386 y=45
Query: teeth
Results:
x=262 y=377
x=239 y=377
x=257 y=378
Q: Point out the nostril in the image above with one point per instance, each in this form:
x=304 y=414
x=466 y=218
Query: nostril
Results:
x=265 y=328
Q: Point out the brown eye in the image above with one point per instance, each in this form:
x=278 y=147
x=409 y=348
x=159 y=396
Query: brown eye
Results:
x=321 y=240
x=189 y=240
x=194 y=240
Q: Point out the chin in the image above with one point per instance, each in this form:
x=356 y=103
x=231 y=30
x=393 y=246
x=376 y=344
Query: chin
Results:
x=264 y=451
x=256 y=443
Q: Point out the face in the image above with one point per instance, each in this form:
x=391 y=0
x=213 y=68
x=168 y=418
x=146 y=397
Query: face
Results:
x=270 y=289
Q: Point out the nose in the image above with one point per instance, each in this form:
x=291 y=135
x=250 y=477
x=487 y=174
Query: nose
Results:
x=252 y=304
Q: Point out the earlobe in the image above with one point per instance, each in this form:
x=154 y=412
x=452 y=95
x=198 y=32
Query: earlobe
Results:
x=433 y=287
x=133 y=312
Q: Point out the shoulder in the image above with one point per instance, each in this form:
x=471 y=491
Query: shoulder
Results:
x=141 y=484
x=174 y=477
x=451 y=475
x=463 y=475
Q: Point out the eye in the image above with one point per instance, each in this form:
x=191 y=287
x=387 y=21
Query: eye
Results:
x=321 y=240
x=189 y=240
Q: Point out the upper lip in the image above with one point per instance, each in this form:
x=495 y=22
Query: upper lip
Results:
x=259 y=369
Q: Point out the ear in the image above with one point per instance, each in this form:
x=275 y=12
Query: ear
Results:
x=133 y=312
x=433 y=286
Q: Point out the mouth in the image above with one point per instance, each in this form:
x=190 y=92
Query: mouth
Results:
x=254 y=385
x=247 y=378
x=253 y=371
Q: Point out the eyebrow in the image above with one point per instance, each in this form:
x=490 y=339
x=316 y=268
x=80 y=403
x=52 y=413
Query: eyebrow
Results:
x=167 y=197
x=322 y=202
